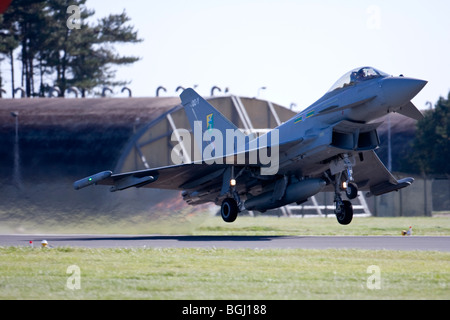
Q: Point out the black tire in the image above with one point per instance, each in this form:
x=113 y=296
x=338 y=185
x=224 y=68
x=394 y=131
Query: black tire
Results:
x=346 y=214
x=229 y=210
x=351 y=191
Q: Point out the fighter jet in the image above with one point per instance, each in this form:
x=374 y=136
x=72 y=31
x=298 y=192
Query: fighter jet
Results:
x=328 y=147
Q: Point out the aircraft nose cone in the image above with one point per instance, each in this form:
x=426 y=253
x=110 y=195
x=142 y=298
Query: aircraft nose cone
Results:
x=399 y=91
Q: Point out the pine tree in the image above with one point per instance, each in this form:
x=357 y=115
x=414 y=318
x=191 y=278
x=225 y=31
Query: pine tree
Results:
x=8 y=43
x=83 y=57
x=431 y=145
x=92 y=65
x=432 y=142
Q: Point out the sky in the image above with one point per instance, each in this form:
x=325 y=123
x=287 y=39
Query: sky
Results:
x=295 y=49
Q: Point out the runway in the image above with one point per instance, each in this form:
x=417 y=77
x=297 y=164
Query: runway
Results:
x=438 y=243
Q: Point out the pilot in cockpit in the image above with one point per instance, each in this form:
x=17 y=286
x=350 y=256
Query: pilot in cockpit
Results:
x=357 y=76
x=361 y=75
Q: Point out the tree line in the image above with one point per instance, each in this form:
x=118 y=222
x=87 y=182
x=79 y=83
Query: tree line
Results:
x=425 y=150
x=61 y=47
x=431 y=145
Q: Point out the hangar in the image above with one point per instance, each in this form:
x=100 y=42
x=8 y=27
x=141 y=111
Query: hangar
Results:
x=47 y=143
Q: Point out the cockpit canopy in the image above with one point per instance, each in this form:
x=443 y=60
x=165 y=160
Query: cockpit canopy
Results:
x=357 y=75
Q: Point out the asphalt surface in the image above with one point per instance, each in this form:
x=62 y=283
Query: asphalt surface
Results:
x=438 y=243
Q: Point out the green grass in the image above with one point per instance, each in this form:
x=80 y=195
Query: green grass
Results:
x=27 y=273
x=204 y=224
x=324 y=226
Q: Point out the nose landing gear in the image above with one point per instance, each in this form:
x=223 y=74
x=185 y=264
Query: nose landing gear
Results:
x=343 y=211
x=344 y=208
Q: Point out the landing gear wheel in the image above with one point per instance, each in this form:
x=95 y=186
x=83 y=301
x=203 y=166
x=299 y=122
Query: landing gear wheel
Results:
x=345 y=214
x=351 y=191
x=229 y=210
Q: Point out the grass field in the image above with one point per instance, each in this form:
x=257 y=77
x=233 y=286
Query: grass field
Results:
x=222 y=274
x=324 y=226
x=146 y=273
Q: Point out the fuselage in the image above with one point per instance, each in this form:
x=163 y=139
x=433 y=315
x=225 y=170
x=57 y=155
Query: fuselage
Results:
x=360 y=101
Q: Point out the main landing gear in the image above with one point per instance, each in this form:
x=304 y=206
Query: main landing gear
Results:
x=231 y=206
x=229 y=210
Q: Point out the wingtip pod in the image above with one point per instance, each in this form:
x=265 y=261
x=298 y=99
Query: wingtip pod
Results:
x=80 y=184
x=386 y=187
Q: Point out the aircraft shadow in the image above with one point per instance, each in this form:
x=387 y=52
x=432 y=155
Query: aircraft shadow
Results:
x=183 y=238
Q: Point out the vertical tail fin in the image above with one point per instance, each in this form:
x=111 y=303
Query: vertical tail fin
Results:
x=198 y=109
x=203 y=116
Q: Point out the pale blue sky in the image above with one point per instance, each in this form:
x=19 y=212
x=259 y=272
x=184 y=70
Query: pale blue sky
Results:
x=297 y=49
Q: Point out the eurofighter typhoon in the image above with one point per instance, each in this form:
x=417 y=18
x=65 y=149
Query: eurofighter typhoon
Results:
x=327 y=147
